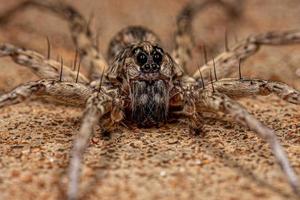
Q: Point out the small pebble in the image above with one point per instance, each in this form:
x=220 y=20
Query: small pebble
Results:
x=198 y=162
x=163 y=173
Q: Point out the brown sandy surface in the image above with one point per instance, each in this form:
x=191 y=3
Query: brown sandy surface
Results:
x=229 y=162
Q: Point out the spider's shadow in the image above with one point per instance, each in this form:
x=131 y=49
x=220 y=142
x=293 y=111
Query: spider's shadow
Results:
x=214 y=151
x=228 y=160
x=101 y=172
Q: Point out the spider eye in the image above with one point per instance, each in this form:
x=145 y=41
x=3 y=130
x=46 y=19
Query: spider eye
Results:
x=157 y=58
x=141 y=58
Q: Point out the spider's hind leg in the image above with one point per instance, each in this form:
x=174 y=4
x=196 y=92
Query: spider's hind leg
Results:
x=226 y=62
x=79 y=28
x=183 y=37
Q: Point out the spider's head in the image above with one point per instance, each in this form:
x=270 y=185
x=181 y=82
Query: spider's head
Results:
x=144 y=61
x=147 y=73
x=149 y=62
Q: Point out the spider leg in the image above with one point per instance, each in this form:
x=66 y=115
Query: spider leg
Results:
x=97 y=106
x=69 y=93
x=183 y=38
x=217 y=102
x=41 y=66
x=237 y=88
x=194 y=121
x=189 y=115
x=79 y=28
x=225 y=61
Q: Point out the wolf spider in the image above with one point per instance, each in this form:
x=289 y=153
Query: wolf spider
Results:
x=142 y=83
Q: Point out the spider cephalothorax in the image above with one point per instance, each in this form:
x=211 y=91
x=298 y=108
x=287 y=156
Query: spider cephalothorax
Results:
x=149 y=86
x=144 y=84
x=146 y=73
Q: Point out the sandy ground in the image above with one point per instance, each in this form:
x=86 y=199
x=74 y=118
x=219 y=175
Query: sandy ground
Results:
x=229 y=162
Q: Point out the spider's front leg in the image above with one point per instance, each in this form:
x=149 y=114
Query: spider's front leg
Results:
x=68 y=93
x=218 y=102
x=225 y=62
x=79 y=28
x=98 y=105
x=237 y=88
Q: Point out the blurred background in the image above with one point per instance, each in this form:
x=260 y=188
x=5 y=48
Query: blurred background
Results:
x=229 y=162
